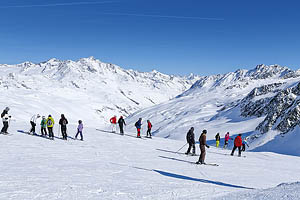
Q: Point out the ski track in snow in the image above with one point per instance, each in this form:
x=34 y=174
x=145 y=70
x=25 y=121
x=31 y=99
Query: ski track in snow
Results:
x=110 y=166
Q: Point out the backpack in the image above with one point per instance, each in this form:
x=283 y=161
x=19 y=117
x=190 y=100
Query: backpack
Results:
x=136 y=124
x=64 y=122
x=2 y=114
x=49 y=122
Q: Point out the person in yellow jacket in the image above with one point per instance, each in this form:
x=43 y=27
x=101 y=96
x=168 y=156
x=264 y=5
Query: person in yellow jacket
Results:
x=50 y=124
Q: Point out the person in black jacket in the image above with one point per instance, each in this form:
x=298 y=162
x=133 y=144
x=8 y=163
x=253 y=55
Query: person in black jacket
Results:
x=63 y=125
x=218 y=138
x=190 y=138
x=5 y=118
x=121 y=123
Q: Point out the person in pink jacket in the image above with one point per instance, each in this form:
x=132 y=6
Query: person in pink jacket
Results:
x=227 y=138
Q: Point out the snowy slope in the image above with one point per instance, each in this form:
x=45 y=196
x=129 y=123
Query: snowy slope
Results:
x=109 y=166
x=97 y=90
x=234 y=102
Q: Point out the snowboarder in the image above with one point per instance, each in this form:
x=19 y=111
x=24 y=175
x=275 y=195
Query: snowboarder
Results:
x=244 y=144
x=33 y=123
x=190 y=138
x=43 y=126
x=121 y=123
x=50 y=124
x=227 y=138
x=79 y=130
x=5 y=119
x=218 y=140
x=63 y=125
x=202 y=141
x=237 y=144
x=138 y=126
x=113 y=122
x=149 y=126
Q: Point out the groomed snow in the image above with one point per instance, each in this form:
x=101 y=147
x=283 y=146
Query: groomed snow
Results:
x=109 y=166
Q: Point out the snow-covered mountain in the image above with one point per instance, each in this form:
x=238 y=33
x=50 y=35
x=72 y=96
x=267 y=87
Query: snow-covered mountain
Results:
x=87 y=88
x=251 y=102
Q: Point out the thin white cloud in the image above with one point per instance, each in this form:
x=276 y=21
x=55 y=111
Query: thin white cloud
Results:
x=164 y=16
x=57 y=4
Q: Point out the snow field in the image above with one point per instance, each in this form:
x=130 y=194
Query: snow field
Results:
x=109 y=166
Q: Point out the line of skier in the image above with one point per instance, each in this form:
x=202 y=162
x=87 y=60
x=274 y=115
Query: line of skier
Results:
x=44 y=123
x=239 y=144
x=137 y=124
x=49 y=124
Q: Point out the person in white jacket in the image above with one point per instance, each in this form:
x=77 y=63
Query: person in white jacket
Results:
x=33 y=123
x=5 y=119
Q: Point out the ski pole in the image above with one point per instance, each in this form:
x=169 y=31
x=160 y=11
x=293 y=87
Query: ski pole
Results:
x=181 y=147
x=58 y=131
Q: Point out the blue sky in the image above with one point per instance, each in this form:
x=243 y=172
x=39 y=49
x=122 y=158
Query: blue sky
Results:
x=172 y=36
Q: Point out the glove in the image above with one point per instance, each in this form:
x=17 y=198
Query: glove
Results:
x=207 y=146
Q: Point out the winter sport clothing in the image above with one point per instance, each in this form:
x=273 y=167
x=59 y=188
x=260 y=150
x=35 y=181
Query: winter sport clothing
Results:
x=234 y=148
x=32 y=130
x=43 y=123
x=43 y=126
x=138 y=126
x=50 y=131
x=202 y=141
x=121 y=123
x=244 y=144
x=237 y=144
x=190 y=136
x=238 y=141
x=34 y=118
x=149 y=126
x=63 y=125
x=113 y=120
x=227 y=138
x=217 y=139
x=5 y=119
x=79 y=130
x=80 y=127
x=50 y=122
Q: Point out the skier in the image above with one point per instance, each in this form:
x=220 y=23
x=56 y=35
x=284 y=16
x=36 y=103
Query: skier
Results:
x=79 y=130
x=113 y=122
x=217 y=140
x=202 y=141
x=227 y=137
x=138 y=126
x=63 y=125
x=50 y=124
x=190 y=138
x=5 y=119
x=33 y=123
x=244 y=144
x=43 y=126
x=121 y=123
x=237 y=144
x=149 y=126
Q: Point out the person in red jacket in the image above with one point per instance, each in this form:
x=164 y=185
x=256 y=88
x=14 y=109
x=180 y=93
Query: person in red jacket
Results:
x=113 y=122
x=149 y=129
x=238 y=142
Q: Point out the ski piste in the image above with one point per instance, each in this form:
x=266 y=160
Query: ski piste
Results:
x=142 y=137
x=43 y=136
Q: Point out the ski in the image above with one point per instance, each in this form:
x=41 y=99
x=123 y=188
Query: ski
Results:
x=120 y=134
x=210 y=164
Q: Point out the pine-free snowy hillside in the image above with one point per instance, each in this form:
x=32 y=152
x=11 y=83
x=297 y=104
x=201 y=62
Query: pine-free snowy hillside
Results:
x=109 y=166
x=86 y=89
x=244 y=101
